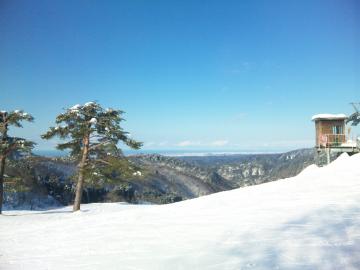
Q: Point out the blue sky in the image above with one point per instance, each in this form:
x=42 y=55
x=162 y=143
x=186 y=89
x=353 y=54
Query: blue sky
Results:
x=189 y=74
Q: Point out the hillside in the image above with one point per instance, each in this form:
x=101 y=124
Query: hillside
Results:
x=164 y=179
x=252 y=169
x=310 y=221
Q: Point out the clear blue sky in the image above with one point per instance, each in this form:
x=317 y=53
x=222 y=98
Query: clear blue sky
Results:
x=189 y=74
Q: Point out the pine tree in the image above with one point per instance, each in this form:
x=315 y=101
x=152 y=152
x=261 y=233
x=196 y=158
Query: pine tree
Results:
x=93 y=134
x=10 y=145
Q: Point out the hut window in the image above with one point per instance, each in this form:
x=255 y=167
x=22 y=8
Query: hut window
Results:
x=337 y=130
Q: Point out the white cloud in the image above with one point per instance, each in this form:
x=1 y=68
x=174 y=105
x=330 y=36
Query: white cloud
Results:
x=156 y=144
x=220 y=143
x=215 y=143
x=188 y=143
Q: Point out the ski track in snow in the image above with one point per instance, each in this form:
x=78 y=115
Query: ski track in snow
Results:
x=311 y=221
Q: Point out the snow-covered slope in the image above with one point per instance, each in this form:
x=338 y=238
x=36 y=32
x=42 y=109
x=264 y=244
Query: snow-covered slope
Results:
x=311 y=221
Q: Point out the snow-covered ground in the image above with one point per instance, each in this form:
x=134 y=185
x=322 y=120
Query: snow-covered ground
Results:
x=311 y=221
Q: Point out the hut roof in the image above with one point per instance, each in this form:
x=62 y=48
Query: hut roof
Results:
x=327 y=116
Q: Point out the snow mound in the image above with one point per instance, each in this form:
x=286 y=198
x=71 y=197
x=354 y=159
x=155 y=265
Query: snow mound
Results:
x=342 y=161
x=310 y=170
x=311 y=221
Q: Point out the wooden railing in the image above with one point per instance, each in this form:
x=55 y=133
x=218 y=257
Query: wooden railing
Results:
x=331 y=140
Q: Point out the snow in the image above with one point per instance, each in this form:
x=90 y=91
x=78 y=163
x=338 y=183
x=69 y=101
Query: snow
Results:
x=311 y=221
x=329 y=116
x=349 y=143
x=89 y=103
x=59 y=127
x=75 y=107
x=93 y=121
x=3 y=112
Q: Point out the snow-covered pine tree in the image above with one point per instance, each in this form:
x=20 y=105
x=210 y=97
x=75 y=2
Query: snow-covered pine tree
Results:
x=93 y=135
x=9 y=144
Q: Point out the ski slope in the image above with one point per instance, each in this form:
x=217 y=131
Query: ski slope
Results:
x=311 y=221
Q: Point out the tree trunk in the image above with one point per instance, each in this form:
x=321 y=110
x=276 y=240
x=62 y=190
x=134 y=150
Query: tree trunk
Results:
x=80 y=183
x=2 y=171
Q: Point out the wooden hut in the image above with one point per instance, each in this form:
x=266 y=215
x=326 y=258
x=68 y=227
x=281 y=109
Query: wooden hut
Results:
x=330 y=130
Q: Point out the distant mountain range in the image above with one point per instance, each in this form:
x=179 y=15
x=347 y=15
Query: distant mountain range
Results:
x=193 y=176
x=165 y=179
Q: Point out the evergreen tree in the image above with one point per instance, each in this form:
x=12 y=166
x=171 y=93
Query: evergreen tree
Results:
x=93 y=134
x=10 y=145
